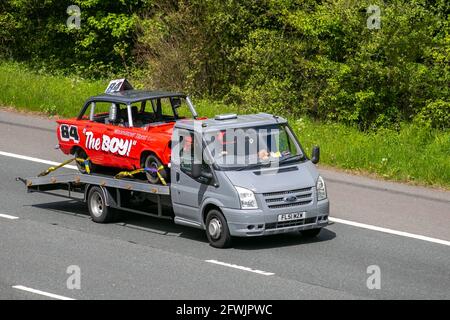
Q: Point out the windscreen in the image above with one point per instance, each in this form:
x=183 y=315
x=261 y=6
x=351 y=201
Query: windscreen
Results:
x=243 y=147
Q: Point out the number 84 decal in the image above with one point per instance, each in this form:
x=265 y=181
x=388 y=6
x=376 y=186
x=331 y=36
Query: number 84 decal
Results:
x=69 y=133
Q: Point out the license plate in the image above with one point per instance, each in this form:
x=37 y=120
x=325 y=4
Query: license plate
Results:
x=291 y=216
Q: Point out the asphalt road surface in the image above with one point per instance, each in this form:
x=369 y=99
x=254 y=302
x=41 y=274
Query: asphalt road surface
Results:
x=402 y=230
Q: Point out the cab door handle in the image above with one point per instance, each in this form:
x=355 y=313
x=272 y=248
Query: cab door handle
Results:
x=177 y=177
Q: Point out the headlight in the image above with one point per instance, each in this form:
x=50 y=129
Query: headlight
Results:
x=321 y=189
x=247 y=198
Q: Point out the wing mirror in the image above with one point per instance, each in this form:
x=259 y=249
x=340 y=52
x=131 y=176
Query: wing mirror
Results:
x=315 y=155
x=197 y=171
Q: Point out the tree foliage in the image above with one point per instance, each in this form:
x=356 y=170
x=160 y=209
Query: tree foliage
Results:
x=37 y=32
x=292 y=57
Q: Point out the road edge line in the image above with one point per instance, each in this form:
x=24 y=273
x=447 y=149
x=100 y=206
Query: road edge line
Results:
x=390 y=231
x=7 y=216
x=32 y=159
x=42 y=293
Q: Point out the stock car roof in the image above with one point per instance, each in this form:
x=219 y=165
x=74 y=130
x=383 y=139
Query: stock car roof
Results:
x=132 y=96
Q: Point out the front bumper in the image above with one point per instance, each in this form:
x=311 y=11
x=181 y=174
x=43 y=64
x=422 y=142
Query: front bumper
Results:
x=248 y=223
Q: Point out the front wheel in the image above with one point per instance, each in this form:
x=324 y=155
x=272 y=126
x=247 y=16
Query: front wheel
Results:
x=217 y=230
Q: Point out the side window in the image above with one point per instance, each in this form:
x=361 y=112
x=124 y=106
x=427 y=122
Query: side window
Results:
x=122 y=116
x=181 y=108
x=163 y=109
x=110 y=113
x=187 y=157
x=285 y=146
x=186 y=152
x=292 y=148
x=138 y=118
x=167 y=111
x=100 y=111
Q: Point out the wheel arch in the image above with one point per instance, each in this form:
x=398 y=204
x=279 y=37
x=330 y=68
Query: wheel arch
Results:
x=146 y=153
x=105 y=192
x=208 y=207
x=75 y=148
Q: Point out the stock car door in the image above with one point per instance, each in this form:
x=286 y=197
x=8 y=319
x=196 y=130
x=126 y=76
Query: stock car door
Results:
x=118 y=138
x=92 y=130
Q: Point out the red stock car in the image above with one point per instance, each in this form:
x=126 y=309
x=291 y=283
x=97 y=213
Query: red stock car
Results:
x=128 y=130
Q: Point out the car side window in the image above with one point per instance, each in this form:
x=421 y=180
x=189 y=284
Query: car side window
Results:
x=100 y=112
x=163 y=110
x=187 y=157
x=181 y=108
x=186 y=153
x=122 y=116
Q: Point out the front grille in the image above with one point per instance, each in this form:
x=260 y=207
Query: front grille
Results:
x=303 y=196
x=287 y=205
x=275 y=200
x=285 y=224
x=279 y=193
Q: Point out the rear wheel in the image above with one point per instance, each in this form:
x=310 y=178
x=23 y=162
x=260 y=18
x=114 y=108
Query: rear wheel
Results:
x=217 y=230
x=81 y=154
x=152 y=162
x=98 y=209
x=311 y=233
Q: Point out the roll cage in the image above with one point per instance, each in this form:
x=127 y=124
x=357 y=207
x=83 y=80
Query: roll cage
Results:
x=136 y=111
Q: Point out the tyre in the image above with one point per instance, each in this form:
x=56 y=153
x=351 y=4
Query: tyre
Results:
x=217 y=230
x=311 y=233
x=98 y=209
x=152 y=161
x=81 y=154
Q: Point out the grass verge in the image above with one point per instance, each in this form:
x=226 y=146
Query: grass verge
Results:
x=416 y=155
x=53 y=95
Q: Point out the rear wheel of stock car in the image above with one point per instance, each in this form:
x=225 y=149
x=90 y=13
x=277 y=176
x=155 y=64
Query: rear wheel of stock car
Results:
x=98 y=209
x=311 y=233
x=81 y=154
x=217 y=230
x=152 y=161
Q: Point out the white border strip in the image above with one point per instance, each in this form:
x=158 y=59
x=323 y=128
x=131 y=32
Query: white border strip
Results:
x=235 y=266
x=385 y=230
x=7 y=216
x=18 y=156
x=42 y=293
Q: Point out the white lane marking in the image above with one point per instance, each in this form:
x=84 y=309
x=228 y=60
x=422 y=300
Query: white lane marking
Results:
x=7 y=216
x=42 y=293
x=264 y=273
x=386 y=230
x=18 y=156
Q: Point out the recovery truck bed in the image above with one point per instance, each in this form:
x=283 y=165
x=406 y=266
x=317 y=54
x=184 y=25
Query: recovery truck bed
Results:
x=123 y=194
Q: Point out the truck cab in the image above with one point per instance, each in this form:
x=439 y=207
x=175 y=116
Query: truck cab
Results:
x=243 y=176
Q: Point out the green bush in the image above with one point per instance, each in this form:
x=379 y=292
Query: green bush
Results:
x=37 y=32
x=314 y=58
x=436 y=114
